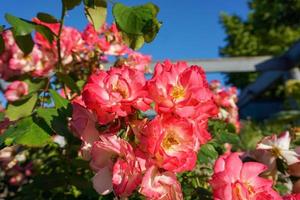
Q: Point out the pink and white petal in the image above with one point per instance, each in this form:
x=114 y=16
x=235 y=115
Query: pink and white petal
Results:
x=102 y=181
x=233 y=166
x=283 y=141
x=291 y=157
x=260 y=182
x=264 y=146
x=250 y=170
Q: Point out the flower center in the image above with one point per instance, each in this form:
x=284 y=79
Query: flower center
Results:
x=169 y=140
x=121 y=89
x=178 y=92
x=241 y=191
x=276 y=151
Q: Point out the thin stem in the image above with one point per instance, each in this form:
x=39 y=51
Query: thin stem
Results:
x=62 y=20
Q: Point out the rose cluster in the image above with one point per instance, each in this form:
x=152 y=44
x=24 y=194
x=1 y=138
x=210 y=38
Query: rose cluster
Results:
x=15 y=167
x=130 y=151
x=83 y=49
x=79 y=51
x=226 y=99
x=234 y=179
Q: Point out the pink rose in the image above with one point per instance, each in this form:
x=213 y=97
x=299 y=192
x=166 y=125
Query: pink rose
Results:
x=158 y=185
x=103 y=150
x=84 y=123
x=233 y=180
x=102 y=181
x=16 y=90
x=116 y=93
x=279 y=147
x=171 y=142
x=126 y=171
x=138 y=61
x=292 y=197
x=127 y=175
x=226 y=99
x=181 y=89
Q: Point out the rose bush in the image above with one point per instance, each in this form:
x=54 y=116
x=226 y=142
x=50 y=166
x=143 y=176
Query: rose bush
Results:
x=77 y=127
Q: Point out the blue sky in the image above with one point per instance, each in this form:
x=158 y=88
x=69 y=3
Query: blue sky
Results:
x=191 y=28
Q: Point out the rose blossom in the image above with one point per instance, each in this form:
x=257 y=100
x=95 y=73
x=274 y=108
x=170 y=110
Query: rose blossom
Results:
x=292 y=197
x=103 y=150
x=226 y=99
x=102 y=181
x=16 y=90
x=83 y=123
x=112 y=43
x=138 y=61
x=171 y=142
x=125 y=172
x=70 y=41
x=116 y=93
x=234 y=180
x=279 y=146
x=158 y=185
x=181 y=89
x=127 y=175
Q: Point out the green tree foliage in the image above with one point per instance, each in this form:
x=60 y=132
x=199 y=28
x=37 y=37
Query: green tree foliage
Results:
x=270 y=29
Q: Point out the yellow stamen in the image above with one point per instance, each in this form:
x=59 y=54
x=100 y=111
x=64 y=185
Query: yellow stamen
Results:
x=169 y=140
x=178 y=92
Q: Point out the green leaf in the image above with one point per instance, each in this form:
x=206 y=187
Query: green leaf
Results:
x=133 y=41
x=35 y=84
x=96 y=13
x=70 y=4
x=59 y=101
x=21 y=108
x=45 y=17
x=151 y=29
x=68 y=81
x=25 y=132
x=2 y=45
x=1 y=28
x=24 y=42
x=249 y=138
x=138 y=24
x=207 y=154
x=2 y=116
x=134 y=19
x=56 y=119
x=45 y=31
x=80 y=84
x=20 y=26
x=223 y=132
x=231 y=138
